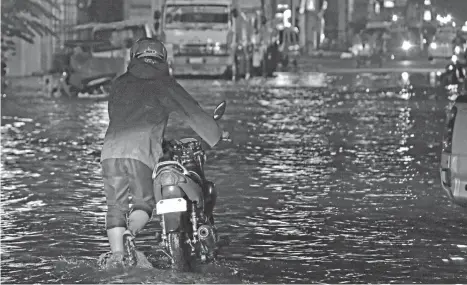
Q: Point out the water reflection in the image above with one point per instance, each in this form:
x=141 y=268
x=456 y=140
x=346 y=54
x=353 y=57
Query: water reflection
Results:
x=321 y=185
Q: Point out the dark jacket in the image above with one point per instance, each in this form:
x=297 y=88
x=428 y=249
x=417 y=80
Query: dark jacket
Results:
x=140 y=103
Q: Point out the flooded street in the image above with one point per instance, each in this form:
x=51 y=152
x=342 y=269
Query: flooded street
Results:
x=329 y=179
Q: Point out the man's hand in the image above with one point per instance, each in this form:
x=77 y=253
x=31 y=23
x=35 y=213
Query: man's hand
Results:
x=225 y=136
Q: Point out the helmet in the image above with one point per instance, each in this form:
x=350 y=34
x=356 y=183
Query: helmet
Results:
x=149 y=47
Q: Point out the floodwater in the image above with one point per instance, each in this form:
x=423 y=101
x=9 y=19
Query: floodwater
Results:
x=329 y=179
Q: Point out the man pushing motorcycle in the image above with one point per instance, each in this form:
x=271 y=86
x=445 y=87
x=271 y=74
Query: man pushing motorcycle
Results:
x=140 y=103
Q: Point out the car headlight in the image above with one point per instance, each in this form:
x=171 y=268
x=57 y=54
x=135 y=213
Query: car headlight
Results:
x=406 y=45
x=219 y=49
x=454 y=58
x=433 y=45
x=457 y=49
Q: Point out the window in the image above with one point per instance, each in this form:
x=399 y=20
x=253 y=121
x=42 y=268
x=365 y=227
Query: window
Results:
x=113 y=39
x=189 y=14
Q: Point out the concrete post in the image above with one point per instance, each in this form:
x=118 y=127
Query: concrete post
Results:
x=302 y=27
x=293 y=7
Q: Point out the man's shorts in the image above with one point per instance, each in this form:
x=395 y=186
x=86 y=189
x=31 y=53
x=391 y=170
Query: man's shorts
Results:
x=125 y=178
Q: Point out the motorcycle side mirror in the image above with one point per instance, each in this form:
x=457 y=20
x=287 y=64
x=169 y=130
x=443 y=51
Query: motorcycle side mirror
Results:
x=220 y=110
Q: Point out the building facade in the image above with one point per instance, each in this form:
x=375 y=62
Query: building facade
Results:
x=36 y=58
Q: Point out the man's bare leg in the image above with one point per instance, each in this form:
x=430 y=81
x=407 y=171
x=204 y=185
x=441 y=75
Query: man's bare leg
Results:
x=137 y=220
x=115 y=236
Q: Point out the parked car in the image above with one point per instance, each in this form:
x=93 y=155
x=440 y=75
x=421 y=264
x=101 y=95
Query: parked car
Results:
x=453 y=169
x=441 y=46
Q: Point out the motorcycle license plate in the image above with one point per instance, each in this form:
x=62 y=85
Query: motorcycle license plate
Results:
x=171 y=206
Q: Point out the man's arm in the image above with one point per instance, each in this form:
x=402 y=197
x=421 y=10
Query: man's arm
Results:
x=190 y=111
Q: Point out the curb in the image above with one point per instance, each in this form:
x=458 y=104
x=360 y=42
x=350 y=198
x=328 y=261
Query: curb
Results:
x=331 y=54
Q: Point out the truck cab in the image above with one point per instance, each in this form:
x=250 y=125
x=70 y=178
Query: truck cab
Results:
x=204 y=37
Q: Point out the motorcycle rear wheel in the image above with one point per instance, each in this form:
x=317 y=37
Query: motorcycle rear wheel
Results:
x=180 y=250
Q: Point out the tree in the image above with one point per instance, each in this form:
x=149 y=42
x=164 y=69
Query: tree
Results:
x=23 y=19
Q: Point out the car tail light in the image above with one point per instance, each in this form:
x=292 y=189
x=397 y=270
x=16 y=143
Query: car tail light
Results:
x=447 y=138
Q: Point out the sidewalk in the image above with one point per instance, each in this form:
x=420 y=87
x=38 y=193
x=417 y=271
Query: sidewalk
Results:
x=308 y=63
x=328 y=53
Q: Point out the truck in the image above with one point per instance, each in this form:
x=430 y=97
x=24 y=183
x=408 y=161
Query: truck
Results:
x=211 y=37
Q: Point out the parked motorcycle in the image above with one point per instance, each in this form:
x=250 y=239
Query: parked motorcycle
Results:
x=460 y=52
x=71 y=84
x=185 y=201
x=454 y=73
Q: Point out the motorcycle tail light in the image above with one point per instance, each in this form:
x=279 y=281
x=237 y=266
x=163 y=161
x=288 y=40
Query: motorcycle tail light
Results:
x=447 y=140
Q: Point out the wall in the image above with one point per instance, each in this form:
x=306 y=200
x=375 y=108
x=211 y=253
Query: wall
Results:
x=37 y=57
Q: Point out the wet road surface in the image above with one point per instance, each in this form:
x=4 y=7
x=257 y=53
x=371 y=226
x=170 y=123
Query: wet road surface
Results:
x=329 y=179
x=349 y=65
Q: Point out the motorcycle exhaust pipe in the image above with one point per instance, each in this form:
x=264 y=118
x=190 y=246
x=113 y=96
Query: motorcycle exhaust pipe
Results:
x=204 y=232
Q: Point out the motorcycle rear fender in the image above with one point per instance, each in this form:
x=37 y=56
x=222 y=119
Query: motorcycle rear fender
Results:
x=174 y=221
x=190 y=188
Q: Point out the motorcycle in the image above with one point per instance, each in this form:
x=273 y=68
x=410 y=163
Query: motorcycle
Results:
x=71 y=84
x=459 y=51
x=185 y=201
x=454 y=73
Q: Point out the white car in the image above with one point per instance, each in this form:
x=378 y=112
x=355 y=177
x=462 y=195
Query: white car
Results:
x=453 y=168
x=441 y=46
